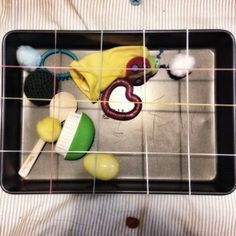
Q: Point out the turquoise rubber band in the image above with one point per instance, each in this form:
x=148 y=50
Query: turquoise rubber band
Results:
x=49 y=52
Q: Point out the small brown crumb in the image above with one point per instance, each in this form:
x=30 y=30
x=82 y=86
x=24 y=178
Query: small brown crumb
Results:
x=132 y=222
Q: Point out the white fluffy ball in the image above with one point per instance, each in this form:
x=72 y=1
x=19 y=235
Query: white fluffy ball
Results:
x=28 y=56
x=180 y=64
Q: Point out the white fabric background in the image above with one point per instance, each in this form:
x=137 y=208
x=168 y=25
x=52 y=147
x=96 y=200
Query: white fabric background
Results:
x=106 y=214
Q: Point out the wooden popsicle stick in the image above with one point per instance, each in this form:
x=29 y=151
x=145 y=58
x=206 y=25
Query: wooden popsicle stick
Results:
x=60 y=106
x=31 y=159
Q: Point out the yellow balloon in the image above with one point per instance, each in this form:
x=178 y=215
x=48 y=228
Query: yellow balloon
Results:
x=107 y=166
x=96 y=71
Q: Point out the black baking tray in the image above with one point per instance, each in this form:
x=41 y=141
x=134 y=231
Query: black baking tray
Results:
x=222 y=42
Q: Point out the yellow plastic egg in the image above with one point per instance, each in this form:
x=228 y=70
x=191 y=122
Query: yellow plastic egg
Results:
x=49 y=129
x=107 y=166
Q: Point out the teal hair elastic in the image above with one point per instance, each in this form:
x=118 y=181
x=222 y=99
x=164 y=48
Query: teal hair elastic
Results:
x=49 y=52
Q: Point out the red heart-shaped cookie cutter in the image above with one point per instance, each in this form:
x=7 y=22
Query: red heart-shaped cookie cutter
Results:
x=117 y=115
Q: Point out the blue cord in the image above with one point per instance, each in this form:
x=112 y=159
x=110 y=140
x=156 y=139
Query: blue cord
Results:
x=49 y=52
x=161 y=50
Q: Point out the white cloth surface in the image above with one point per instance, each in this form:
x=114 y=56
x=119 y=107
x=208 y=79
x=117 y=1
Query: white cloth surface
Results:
x=105 y=214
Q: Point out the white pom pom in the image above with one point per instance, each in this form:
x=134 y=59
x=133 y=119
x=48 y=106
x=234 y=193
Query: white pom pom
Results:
x=180 y=64
x=28 y=56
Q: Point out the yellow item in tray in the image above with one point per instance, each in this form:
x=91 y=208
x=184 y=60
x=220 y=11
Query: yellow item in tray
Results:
x=96 y=71
x=101 y=166
x=49 y=129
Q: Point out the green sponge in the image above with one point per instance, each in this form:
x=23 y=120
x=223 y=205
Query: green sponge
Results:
x=76 y=137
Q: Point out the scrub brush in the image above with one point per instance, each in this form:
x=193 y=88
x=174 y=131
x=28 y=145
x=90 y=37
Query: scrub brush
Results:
x=76 y=137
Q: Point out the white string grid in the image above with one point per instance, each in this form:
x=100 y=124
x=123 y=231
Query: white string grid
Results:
x=146 y=153
x=143 y=115
x=98 y=113
x=188 y=119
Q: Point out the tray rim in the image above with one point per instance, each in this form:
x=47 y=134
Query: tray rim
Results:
x=119 y=32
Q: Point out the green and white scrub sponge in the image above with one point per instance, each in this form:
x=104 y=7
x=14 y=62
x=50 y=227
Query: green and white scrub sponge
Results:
x=76 y=137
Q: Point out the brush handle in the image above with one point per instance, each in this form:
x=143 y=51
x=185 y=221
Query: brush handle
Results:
x=31 y=159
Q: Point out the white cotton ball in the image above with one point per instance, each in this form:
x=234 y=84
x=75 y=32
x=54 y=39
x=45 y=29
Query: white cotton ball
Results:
x=180 y=64
x=28 y=56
